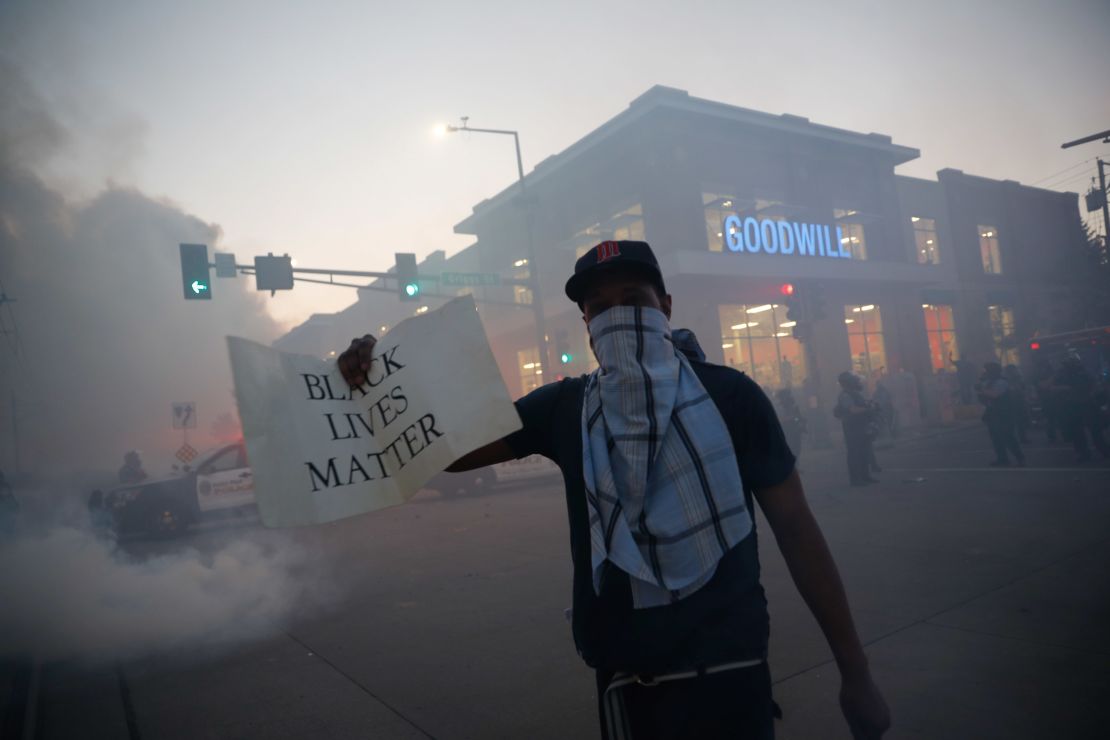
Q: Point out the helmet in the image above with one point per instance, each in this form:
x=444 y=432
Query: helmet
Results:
x=849 y=380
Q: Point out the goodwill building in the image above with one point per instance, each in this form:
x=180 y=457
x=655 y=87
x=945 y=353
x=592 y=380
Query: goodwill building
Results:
x=736 y=203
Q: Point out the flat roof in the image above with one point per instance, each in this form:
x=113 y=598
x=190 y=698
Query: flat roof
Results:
x=953 y=172
x=662 y=97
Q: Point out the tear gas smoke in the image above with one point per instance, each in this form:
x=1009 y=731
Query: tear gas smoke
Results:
x=72 y=595
x=103 y=341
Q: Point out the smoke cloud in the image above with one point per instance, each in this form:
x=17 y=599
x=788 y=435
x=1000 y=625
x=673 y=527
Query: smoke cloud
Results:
x=72 y=595
x=99 y=341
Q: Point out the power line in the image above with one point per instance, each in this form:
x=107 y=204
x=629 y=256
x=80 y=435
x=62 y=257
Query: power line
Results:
x=1066 y=169
x=1066 y=178
x=1061 y=183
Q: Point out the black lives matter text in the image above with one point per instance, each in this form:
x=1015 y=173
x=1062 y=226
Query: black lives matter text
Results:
x=386 y=407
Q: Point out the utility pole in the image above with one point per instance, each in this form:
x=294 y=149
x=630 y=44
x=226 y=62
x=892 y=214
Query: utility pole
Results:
x=15 y=436
x=1105 y=137
x=1105 y=208
x=4 y=298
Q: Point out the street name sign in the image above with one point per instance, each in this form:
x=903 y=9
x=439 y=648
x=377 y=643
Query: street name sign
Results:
x=469 y=279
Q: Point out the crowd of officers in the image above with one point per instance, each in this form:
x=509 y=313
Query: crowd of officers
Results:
x=1073 y=403
x=1064 y=399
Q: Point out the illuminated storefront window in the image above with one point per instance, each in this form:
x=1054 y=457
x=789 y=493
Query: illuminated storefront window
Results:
x=925 y=240
x=758 y=340
x=625 y=224
x=941 y=330
x=865 y=340
x=851 y=233
x=531 y=371
x=988 y=250
x=1002 y=334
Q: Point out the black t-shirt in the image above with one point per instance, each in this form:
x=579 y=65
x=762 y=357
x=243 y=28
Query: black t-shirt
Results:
x=725 y=620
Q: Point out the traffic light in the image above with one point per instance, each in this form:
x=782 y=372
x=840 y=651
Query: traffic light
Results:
x=816 y=302
x=795 y=309
x=408 y=281
x=562 y=348
x=797 y=317
x=195 y=279
x=273 y=273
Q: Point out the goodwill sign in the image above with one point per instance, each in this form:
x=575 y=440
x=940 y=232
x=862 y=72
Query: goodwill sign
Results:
x=321 y=450
x=783 y=237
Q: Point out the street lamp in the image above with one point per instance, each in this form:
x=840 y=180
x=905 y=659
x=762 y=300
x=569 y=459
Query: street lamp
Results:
x=533 y=263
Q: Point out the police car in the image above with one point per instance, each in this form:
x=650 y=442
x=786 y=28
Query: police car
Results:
x=219 y=485
x=525 y=470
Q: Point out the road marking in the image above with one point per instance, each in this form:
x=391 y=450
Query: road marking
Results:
x=313 y=652
x=1009 y=469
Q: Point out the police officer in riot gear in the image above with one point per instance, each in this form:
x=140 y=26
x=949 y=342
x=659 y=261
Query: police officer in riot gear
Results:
x=857 y=416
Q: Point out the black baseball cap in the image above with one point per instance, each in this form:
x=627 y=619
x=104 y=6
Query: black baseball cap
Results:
x=612 y=255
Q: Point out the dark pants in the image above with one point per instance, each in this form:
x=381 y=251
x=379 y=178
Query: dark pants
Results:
x=1051 y=419
x=1004 y=440
x=858 y=446
x=1078 y=423
x=732 y=704
x=1021 y=421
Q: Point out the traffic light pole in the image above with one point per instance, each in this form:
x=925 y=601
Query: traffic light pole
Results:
x=338 y=284
x=820 y=437
x=249 y=270
x=811 y=313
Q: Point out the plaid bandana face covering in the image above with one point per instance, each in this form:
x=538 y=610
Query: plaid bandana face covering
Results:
x=662 y=483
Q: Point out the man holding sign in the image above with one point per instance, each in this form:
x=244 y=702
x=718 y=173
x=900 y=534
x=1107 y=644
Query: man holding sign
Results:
x=662 y=456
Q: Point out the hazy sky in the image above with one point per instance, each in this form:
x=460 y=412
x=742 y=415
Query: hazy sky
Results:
x=305 y=127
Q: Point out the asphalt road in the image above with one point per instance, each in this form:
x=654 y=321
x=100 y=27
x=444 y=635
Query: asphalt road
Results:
x=982 y=594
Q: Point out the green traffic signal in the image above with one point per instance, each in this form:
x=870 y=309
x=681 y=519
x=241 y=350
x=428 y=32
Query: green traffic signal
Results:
x=408 y=285
x=566 y=357
x=195 y=279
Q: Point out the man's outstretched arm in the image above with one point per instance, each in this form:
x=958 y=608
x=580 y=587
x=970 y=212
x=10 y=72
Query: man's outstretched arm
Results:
x=814 y=572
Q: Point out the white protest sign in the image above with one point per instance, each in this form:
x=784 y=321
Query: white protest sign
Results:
x=322 y=451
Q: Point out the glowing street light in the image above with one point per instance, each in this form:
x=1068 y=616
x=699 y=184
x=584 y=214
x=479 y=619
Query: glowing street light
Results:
x=533 y=273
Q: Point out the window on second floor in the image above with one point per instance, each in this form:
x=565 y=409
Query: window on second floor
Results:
x=925 y=240
x=625 y=224
x=717 y=208
x=988 y=249
x=851 y=233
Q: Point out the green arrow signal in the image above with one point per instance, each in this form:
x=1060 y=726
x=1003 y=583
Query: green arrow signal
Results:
x=198 y=287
